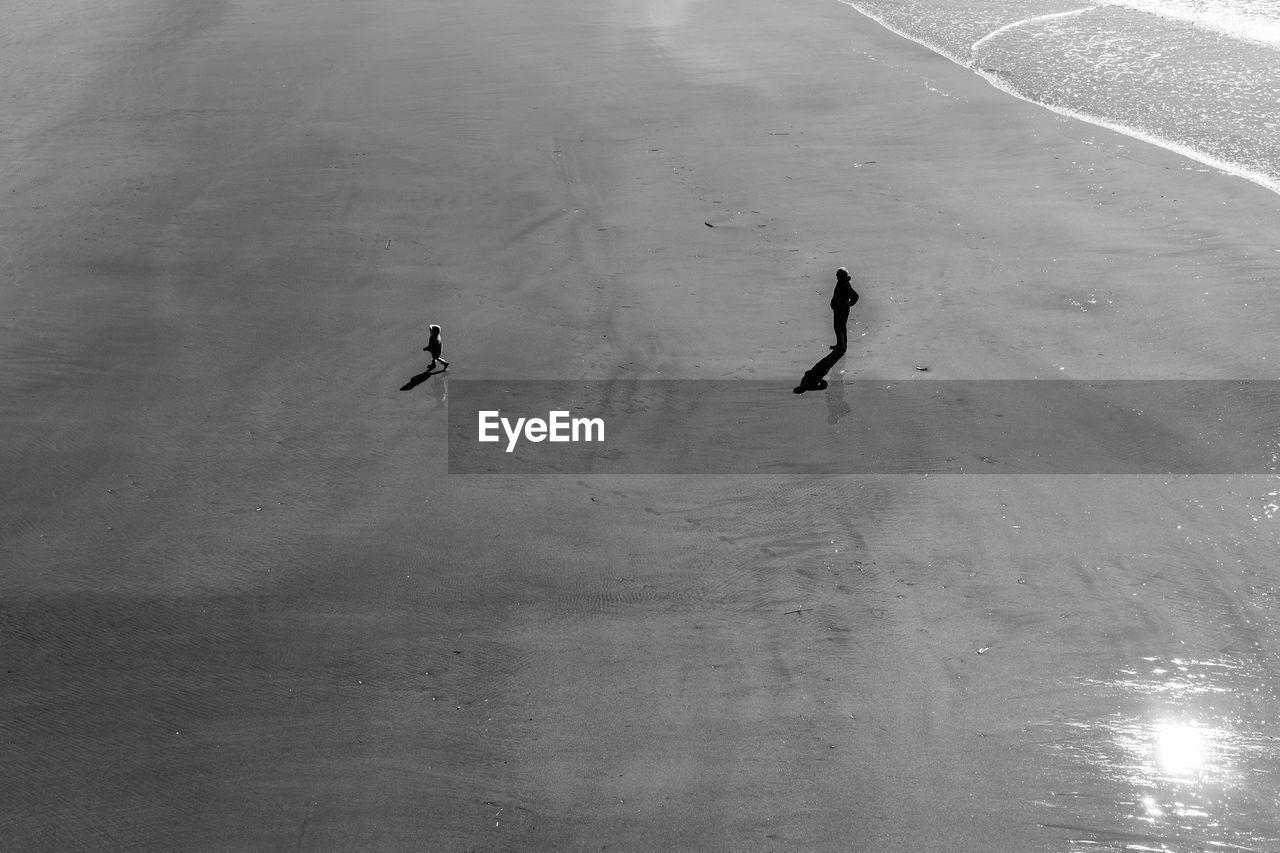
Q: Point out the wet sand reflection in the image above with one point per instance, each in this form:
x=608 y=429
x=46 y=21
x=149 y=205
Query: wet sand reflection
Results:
x=1190 y=761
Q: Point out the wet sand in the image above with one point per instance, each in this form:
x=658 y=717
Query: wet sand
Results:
x=246 y=607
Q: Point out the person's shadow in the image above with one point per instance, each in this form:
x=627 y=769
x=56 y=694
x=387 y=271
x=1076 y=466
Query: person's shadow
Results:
x=419 y=379
x=814 y=378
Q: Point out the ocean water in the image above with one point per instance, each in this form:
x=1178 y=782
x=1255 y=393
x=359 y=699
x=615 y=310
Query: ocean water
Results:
x=1201 y=77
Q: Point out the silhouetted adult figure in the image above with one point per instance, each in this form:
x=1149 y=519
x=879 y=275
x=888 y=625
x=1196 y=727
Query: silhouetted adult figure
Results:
x=842 y=300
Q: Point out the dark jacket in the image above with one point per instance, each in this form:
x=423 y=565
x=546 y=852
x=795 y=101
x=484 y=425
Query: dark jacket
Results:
x=844 y=297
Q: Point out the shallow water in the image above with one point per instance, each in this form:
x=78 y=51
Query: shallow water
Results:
x=1200 y=78
x=1183 y=754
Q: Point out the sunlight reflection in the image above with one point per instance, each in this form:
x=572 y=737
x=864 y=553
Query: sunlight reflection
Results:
x=1179 y=748
x=689 y=33
x=1182 y=753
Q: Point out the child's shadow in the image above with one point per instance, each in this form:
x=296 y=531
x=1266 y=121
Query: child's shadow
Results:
x=420 y=378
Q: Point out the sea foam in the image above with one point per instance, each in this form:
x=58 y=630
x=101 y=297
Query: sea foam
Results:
x=1197 y=77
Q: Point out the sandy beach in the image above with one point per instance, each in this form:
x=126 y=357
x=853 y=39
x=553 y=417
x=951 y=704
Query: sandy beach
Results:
x=244 y=605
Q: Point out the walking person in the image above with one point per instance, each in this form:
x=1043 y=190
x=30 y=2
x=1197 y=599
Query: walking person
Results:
x=433 y=346
x=842 y=300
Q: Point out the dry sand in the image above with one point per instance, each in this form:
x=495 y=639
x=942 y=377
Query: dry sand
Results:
x=245 y=607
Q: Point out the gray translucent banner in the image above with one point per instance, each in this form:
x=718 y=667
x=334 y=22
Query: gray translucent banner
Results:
x=864 y=427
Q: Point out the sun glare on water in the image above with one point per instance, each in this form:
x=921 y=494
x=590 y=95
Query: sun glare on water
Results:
x=1179 y=748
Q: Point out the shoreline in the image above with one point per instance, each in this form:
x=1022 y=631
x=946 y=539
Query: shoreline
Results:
x=1204 y=159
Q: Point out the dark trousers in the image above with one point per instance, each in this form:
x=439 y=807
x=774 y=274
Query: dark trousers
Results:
x=841 y=325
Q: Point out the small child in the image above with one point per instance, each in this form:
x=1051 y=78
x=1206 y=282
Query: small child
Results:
x=433 y=347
